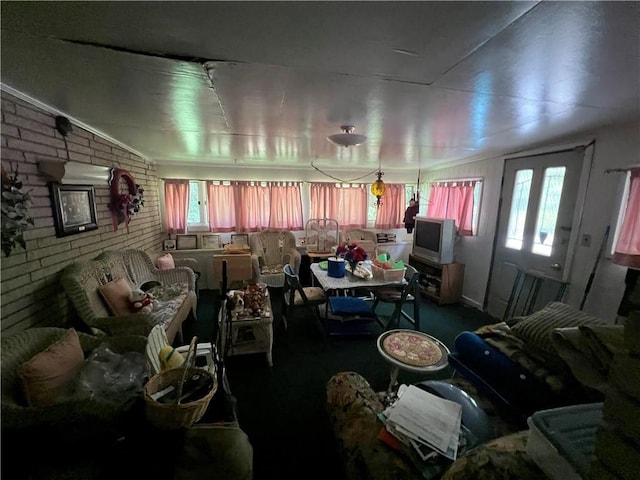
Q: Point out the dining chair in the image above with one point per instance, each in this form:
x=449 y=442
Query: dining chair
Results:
x=297 y=297
x=398 y=296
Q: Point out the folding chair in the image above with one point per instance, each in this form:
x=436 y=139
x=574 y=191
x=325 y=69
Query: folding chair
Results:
x=298 y=297
x=399 y=296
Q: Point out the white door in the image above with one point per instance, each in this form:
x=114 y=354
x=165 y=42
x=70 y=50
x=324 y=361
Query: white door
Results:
x=537 y=210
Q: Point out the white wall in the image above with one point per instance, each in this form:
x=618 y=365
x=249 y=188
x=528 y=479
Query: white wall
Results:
x=615 y=147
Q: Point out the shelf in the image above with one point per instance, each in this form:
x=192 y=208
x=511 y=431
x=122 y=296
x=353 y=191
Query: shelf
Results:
x=448 y=278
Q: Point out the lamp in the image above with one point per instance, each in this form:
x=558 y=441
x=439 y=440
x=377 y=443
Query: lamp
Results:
x=378 y=188
x=347 y=138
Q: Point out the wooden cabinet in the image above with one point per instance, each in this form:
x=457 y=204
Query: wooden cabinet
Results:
x=440 y=282
x=238 y=269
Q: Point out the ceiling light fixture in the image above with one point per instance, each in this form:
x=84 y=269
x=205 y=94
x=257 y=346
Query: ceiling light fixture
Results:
x=347 y=138
x=378 y=188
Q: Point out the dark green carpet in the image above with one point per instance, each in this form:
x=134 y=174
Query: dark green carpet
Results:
x=282 y=409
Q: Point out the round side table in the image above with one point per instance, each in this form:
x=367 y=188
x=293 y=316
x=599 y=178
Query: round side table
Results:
x=412 y=351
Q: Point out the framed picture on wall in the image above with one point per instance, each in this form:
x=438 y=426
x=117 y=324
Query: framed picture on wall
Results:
x=209 y=241
x=74 y=208
x=186 y=242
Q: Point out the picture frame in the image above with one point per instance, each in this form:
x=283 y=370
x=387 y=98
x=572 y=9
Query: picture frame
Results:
x=186 y=242
x=210 y=241
x=240 y=238
x=169 y=244
x=74 y=208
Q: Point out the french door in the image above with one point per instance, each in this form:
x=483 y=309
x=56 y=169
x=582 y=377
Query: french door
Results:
x=538 y=203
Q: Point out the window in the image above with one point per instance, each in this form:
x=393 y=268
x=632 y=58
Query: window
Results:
x=197 y=216
x=457 y=199
x=548 y=210
x=519 y=205
x=627 y=233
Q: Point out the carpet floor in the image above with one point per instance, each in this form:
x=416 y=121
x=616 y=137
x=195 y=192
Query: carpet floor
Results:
x=283 y=409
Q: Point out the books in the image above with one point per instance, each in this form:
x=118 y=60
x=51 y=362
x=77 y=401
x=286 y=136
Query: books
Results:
x=425 y=422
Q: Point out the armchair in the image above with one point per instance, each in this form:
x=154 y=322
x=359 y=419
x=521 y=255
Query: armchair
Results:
x=87 y=425
x=270 y=251
x=365 y=238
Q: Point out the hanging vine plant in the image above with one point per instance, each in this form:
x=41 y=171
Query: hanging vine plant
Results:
x=15 y=212
x=125 y=203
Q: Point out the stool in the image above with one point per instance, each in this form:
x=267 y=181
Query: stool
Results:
x=412 y=351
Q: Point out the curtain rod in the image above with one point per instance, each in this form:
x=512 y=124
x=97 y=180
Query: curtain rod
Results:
x=468 y=179
x=622 y=170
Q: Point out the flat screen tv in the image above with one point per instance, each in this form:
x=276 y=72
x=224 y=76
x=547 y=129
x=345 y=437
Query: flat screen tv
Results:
x=434 y=239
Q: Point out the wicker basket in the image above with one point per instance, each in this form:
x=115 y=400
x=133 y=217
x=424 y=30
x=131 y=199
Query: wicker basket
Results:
x=388 y=274
x=176 y=415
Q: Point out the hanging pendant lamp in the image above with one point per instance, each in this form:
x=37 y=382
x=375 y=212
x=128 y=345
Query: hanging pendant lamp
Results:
x=347 y=138
x=378 y=188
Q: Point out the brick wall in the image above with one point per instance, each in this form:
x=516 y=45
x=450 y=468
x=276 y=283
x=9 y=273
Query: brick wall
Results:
x=31 y=294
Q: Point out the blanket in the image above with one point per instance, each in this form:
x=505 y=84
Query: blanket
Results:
x=589 y=351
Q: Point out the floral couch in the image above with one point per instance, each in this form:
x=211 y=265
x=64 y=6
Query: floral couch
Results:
x=98 y=290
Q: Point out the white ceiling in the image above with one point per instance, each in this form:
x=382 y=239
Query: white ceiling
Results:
x=264 y=83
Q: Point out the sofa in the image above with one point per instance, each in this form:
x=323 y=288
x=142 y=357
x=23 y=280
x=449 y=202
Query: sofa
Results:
x=517 y=364
x=354 y=408
x=98 y=290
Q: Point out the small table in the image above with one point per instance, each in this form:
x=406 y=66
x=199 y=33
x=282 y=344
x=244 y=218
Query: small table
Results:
x=412 y=351
x=250 y=333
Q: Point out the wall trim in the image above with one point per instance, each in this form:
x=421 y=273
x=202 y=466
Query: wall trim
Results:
x=80 y=123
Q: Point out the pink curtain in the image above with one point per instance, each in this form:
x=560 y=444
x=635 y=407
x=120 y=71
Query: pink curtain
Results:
x=627 y=250
x=453 y=200
x=286 y=206
x=347 y=205
x=222 y=211
x=252 y=205
x=176 y=205
x=322 y=200
x=391 y=212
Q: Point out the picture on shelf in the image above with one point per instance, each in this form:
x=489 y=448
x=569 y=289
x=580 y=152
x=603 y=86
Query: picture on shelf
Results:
x=210 y=241
x=169 y=245
x=186 y=242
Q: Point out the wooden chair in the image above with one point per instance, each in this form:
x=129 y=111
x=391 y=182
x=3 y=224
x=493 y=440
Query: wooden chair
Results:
x=298 y=297
x=399 y=296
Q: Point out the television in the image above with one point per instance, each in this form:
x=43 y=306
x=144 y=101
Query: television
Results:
x=434 y=239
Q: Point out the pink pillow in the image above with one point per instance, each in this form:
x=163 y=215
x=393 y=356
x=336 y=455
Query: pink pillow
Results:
x=47 y=375
x=116 y=295
x=165 y=262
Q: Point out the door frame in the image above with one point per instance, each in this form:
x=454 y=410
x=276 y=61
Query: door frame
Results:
x=576 y=224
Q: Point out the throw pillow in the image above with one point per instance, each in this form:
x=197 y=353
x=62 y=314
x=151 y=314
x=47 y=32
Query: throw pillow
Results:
x=116 y=295
x=535 y=329
x=47 y=375
x=165 y=262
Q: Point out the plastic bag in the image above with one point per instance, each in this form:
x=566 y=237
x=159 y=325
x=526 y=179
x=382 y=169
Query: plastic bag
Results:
x=112 y=377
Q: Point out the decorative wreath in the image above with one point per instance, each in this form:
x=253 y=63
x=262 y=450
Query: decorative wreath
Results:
x=124 y=205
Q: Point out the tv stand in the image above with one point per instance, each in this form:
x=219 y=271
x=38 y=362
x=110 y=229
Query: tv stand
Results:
x=440 y=282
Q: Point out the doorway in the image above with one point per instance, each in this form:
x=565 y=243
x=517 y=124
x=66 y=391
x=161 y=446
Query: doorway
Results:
x=534 y=232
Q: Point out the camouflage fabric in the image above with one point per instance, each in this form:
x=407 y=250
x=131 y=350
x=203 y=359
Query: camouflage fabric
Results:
x=353 y=406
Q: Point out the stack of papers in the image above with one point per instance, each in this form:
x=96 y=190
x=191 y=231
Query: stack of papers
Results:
x=425 y=422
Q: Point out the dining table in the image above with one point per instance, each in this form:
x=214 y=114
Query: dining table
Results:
x=350 y=283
